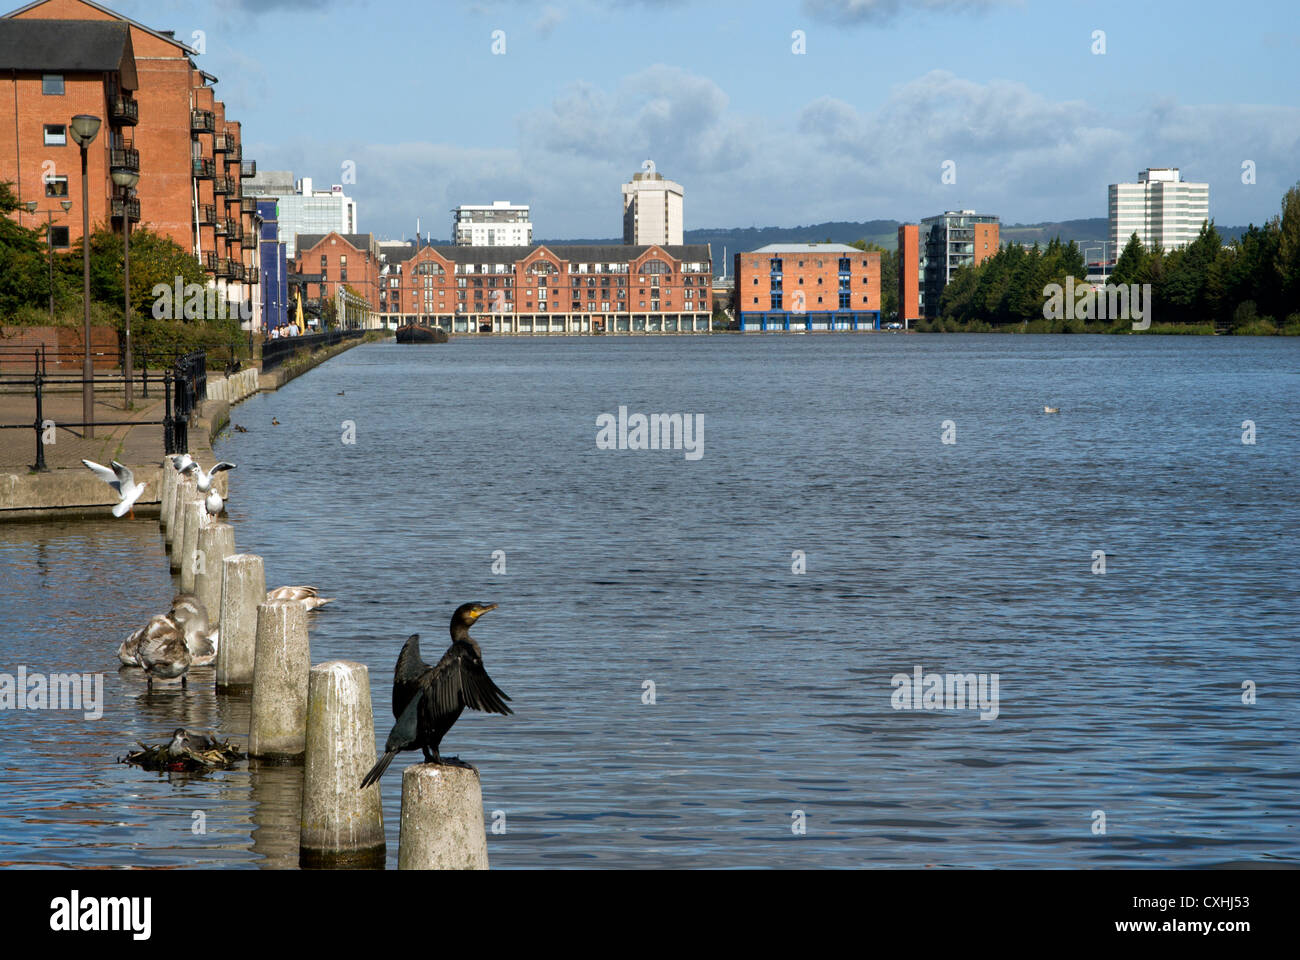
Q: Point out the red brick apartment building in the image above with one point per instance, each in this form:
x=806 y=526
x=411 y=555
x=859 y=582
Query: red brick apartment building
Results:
x=807 y=286
x=161 y=117
x=929 y=252
x=576 y=289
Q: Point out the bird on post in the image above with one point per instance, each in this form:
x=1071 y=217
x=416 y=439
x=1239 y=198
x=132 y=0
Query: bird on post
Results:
x=427 y=700
x=204 y=479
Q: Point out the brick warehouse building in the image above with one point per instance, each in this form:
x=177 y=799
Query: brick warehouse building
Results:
x=807 y=286
x=189 y=153
x=561 y=288
x=340 y=259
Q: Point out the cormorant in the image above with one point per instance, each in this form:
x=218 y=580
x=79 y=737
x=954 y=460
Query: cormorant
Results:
x=427 y=700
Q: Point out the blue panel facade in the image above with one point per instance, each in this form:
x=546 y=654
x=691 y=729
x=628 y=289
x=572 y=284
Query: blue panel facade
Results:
x=275 y=291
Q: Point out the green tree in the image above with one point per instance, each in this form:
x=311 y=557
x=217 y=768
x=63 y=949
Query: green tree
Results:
x=1130 y=263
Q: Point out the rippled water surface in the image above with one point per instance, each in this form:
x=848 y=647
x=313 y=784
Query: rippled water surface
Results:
x=1120 y=693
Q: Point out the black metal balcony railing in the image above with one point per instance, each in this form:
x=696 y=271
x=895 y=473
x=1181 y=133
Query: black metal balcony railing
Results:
x=248 y=205
x=221 y=226
x=221 y=186
x=133 y=205
x=207 y=215
x=203 y=169
x=236 y=232
x=252 y=275
x=202 y=121
x=123 y=111
x=235 y=153
x=127 y=157
x=248 y=168
x=236 y=270
x=221 y=143
x=249 y=240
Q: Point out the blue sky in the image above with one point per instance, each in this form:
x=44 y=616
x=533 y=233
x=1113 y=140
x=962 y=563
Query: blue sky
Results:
x=857 y=127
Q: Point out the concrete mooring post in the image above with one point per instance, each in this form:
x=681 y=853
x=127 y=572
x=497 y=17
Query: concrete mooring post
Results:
x=216 y=542
x=342 y=825
x=442 y=819
x=193 y=514
x=277 y=729
x=243 y=590
x=166 y=500
x=185 y=489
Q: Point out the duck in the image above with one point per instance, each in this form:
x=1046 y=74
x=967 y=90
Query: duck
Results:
x=128 y=652
x=309 y=597
x=239 y=429
x=204 y=479
x=165 y=656
x=191 y=616
x=275 y=422
x=122 y=480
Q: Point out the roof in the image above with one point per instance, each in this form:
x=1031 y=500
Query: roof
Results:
x=167 y=35
x=68 y=46
x=365 y=242
x=575 y=253
x=805 y=248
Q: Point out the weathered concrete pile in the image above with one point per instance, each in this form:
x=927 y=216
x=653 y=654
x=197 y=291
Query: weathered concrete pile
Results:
x=238 y=386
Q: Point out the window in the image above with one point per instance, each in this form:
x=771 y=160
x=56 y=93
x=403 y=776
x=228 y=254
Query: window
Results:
x=52 y=84
x=776 y=301
x=56 y=135
x=56 y=186
x=58 y=237
x=845 y=301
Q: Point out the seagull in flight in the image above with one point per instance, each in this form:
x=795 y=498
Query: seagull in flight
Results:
x=205 y=479
x=123 y=483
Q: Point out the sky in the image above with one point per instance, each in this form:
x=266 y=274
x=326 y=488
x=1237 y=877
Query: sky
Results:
x=769 y=113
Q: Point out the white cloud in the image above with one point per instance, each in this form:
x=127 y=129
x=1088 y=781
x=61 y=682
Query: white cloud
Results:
x=884 y=11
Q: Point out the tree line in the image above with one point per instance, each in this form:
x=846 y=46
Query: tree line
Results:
x=1250 y=286
x=26 y=285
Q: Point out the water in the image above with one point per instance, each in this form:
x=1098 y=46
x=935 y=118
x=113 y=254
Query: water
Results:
x=1119 y=693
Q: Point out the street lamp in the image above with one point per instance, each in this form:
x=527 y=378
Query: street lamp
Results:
x=127 y=178
x=84 y=129
x=49 y=241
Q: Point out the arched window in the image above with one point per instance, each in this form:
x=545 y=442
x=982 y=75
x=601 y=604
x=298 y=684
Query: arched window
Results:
x=655 y=266
x=542 y=267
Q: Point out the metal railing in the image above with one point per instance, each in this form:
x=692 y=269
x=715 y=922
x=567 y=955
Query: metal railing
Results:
x=185 y=385
x=277 y=351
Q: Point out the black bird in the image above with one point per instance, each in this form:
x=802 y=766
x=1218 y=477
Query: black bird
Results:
x=427 y=700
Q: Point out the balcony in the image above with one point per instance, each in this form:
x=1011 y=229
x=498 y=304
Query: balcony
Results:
x=124 y=157
x=235 y=231
x=133 y=205
x=221 y=227
x=248 y=168
x=207 y=215
x=248 y=240
x=252 y=275
x=222 y=142
x=236 y=270
x=235 y=153
x=222 y=186
x=203 y=169
x=248 y=205
x=123 y=111
x=202 y=121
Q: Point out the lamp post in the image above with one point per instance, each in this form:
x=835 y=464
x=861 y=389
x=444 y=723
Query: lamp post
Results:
x=49 y=241
x=127 y=178
x=84 y=130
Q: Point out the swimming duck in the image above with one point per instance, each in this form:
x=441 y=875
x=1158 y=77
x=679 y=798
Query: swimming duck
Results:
x=275 y=422
x=123 y=483
x=309 y=597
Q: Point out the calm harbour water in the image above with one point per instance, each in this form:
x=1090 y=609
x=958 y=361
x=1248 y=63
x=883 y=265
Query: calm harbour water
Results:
x=1119 y=692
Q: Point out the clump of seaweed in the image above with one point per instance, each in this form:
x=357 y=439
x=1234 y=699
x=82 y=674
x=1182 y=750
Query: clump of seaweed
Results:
x=186 y=751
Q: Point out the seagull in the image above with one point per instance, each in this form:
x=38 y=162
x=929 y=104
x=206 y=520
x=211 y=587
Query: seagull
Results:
x=123 y=483
x=205 y=479
x=180 y=743
x=181 y=461
x=309 y=597
x=214 y=505
x=1051 y=409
